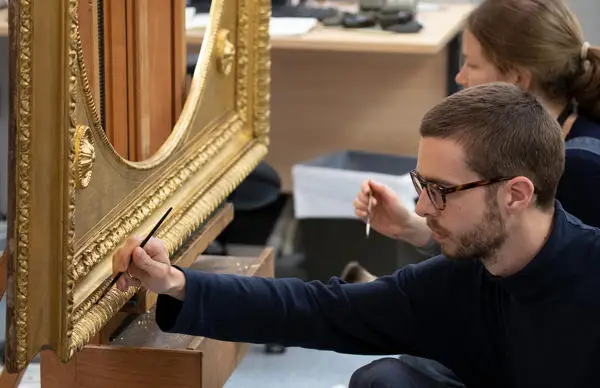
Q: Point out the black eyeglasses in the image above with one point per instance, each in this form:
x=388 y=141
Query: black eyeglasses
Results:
x=437 y=194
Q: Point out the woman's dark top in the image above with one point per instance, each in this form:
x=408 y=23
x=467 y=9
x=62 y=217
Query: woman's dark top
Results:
x=579 y=187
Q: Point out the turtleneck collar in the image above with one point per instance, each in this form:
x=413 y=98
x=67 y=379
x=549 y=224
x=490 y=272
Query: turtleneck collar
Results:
x=548 y=268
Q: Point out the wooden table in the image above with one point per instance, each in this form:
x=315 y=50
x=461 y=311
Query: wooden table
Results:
x=440 y=28
x=334 y=89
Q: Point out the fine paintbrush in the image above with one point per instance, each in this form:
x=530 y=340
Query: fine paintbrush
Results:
x=369 y=214
x=144 y=242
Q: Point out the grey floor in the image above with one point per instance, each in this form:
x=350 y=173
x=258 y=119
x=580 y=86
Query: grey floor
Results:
x=296 y=368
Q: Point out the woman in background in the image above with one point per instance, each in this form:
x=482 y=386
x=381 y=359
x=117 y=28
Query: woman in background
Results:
x=538 y=45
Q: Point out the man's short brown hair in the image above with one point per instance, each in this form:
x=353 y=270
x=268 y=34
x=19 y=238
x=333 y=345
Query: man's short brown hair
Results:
x=505 y=132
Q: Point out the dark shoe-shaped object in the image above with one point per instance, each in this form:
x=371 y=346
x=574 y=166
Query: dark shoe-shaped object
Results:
x=356 y=273
x=274 y=349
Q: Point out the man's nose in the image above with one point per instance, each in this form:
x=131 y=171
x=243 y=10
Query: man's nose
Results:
x=424 y=206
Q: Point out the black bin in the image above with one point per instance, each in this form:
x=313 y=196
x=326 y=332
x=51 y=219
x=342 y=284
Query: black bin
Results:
x=330 y=234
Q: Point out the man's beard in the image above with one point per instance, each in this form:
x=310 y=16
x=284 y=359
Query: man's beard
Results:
x=480 y=243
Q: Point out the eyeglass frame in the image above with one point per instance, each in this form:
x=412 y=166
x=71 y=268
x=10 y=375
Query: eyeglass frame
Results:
x=417 y=178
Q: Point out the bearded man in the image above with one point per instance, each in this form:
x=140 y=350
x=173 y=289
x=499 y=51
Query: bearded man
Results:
x=513 y=301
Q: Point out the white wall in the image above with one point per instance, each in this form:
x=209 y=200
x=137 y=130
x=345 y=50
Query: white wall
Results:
x=588 y=13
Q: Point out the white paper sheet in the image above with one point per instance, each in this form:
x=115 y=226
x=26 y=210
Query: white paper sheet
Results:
x=321 y=192
x=277 y=27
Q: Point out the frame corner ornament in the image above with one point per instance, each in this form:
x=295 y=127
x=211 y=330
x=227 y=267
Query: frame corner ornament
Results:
x=85 y=156
x=225 y=52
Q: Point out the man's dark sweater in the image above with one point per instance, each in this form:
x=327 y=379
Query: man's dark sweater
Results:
x=538 y=328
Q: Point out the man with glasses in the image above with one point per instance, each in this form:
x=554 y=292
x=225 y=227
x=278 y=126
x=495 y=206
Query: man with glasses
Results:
x=512 y=302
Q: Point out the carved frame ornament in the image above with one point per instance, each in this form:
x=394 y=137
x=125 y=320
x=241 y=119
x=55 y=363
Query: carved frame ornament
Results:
x=75 y=200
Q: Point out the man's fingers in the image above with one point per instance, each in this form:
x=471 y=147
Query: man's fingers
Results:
x=377 y=188
x=359 y=205
x=146 y=264
x=122 y=283
x=133 y=280
x=365 y=189
x=127 y=280
x=155 y=247
x=364 y=205
x=362 y=198
x=361 y=214
x=136 y=274
x=121 y=258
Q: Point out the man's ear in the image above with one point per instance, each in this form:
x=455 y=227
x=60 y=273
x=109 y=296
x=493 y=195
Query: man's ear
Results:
x=519 y=194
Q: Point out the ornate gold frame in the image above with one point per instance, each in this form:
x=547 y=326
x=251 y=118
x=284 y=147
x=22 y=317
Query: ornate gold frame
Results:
x=75 y=200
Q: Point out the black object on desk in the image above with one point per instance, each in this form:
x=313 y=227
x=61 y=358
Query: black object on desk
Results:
x=279 y=8
x=361 y=20
x=406 y=28
x=401 y=22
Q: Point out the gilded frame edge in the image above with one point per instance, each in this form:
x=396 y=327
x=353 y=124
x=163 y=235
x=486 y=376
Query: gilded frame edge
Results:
x=252 y=111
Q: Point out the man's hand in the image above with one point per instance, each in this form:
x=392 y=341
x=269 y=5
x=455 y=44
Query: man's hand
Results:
x=389 y=216
x=149 y=267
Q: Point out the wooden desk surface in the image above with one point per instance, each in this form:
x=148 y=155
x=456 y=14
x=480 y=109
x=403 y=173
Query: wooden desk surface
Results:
x=439 y=28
